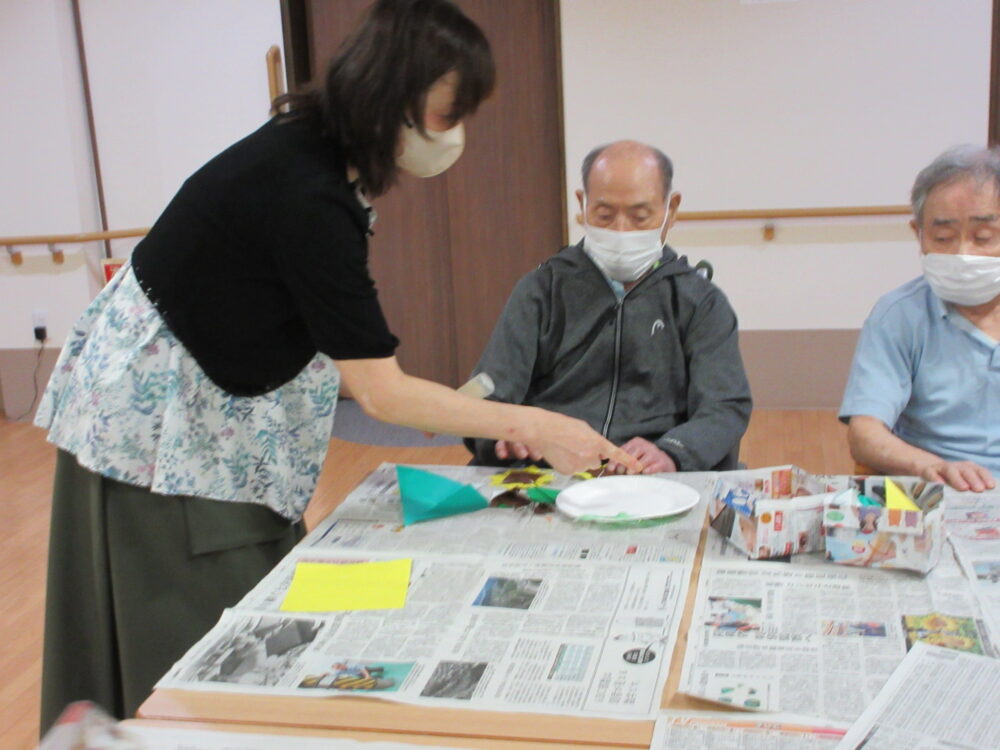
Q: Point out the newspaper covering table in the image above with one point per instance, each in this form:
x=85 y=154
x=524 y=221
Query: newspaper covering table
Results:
x=370 y=518
x=521 y=609
x=972 y=522
x=937 y=699
x=548 y=615
x=706 y=730
x=818 y=640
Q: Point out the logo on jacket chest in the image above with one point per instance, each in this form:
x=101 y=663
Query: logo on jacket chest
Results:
x=658 y=325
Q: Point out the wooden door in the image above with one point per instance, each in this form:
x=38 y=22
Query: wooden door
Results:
x=448 y=250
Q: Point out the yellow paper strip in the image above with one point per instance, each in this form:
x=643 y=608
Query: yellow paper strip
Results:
x=896 y=499
x=339 y=587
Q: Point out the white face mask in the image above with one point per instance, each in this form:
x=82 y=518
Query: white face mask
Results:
x=624 y=256
x=963 y=279
x=426 y=157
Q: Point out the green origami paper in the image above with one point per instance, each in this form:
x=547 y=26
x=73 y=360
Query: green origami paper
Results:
x=426 y=496
x=541 y=494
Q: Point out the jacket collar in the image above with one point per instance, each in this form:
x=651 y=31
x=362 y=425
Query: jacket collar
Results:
x=670 y=262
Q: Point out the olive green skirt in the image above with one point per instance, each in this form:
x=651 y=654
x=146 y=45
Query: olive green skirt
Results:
x=135 y=579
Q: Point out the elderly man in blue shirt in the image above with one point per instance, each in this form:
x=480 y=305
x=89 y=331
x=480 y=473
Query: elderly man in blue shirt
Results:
x=923 y=397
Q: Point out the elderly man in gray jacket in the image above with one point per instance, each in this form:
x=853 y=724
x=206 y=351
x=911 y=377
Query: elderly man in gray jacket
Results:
x=621 y=332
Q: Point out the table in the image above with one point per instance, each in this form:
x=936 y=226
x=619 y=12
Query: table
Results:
x=363 y=736
x=374 y=717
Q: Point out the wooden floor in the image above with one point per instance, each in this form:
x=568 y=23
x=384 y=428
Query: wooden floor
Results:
x=813 y=440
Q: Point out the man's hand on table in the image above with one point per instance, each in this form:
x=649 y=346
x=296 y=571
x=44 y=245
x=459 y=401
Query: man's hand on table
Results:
x=960 y=475
x=653 y=459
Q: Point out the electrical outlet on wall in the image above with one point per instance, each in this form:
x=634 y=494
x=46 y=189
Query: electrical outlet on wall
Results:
x=38 y=324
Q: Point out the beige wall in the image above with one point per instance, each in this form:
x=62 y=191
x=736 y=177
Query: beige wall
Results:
x=813 y=102
x=172 y=82
x=778 y=105
x=47 y=183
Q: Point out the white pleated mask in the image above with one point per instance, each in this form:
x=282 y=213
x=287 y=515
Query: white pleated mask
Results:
x=962 y=279
x=624 y=256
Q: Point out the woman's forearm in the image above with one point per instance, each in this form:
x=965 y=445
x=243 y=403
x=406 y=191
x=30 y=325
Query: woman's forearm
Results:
x=385 y=392
x=414 y=402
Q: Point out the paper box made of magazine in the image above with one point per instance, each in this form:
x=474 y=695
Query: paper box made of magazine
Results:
x=863 y=527
x=771 y=512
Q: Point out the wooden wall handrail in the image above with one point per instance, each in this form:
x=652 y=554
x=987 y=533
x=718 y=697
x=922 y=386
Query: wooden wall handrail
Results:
x=762 y=213
x=275 y=79
x=795 y=213
x=69 y=239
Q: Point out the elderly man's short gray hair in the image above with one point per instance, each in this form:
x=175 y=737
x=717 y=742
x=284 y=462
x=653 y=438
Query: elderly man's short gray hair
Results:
x=662 y=161
x=955 y=164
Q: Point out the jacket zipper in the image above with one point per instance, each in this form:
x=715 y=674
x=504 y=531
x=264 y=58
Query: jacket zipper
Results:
x=619 y=314
x=618 y=355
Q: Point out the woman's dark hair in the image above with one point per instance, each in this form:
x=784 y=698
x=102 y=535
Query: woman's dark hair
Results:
x=380 y=77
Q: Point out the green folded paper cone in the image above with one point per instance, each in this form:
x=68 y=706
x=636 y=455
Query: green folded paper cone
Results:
x=426 y=496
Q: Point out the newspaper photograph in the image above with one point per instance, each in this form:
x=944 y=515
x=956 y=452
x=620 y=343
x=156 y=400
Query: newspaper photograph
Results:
x=818 y=640
x=708 y=730
x=370 y=518
x=937 y=699
x=547 y=636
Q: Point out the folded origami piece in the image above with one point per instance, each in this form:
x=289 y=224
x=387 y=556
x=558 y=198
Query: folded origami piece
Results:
x=426 y=496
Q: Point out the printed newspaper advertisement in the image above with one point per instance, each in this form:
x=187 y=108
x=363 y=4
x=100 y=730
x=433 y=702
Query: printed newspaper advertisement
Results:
x=937 y=699
x=706 y=730
x=818 y=640
x=486 y=632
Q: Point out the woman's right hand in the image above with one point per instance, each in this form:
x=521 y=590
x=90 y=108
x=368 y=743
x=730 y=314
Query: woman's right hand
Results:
x=571 y=445
x=385 y=392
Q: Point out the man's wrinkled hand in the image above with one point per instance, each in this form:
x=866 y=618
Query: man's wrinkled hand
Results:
x=508 y=449
x=960 y=475
x=568 y=444
x=653 y=459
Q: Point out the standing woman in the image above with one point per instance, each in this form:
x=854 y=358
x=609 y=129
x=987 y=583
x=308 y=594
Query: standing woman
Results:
x=193 y=402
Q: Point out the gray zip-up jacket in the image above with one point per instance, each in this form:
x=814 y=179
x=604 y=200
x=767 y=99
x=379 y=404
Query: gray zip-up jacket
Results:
x=662 y=363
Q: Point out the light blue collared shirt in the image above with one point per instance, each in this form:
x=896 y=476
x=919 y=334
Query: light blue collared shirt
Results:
x=930 y=375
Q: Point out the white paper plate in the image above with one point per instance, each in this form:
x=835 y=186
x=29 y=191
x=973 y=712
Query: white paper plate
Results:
x=626 y=497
